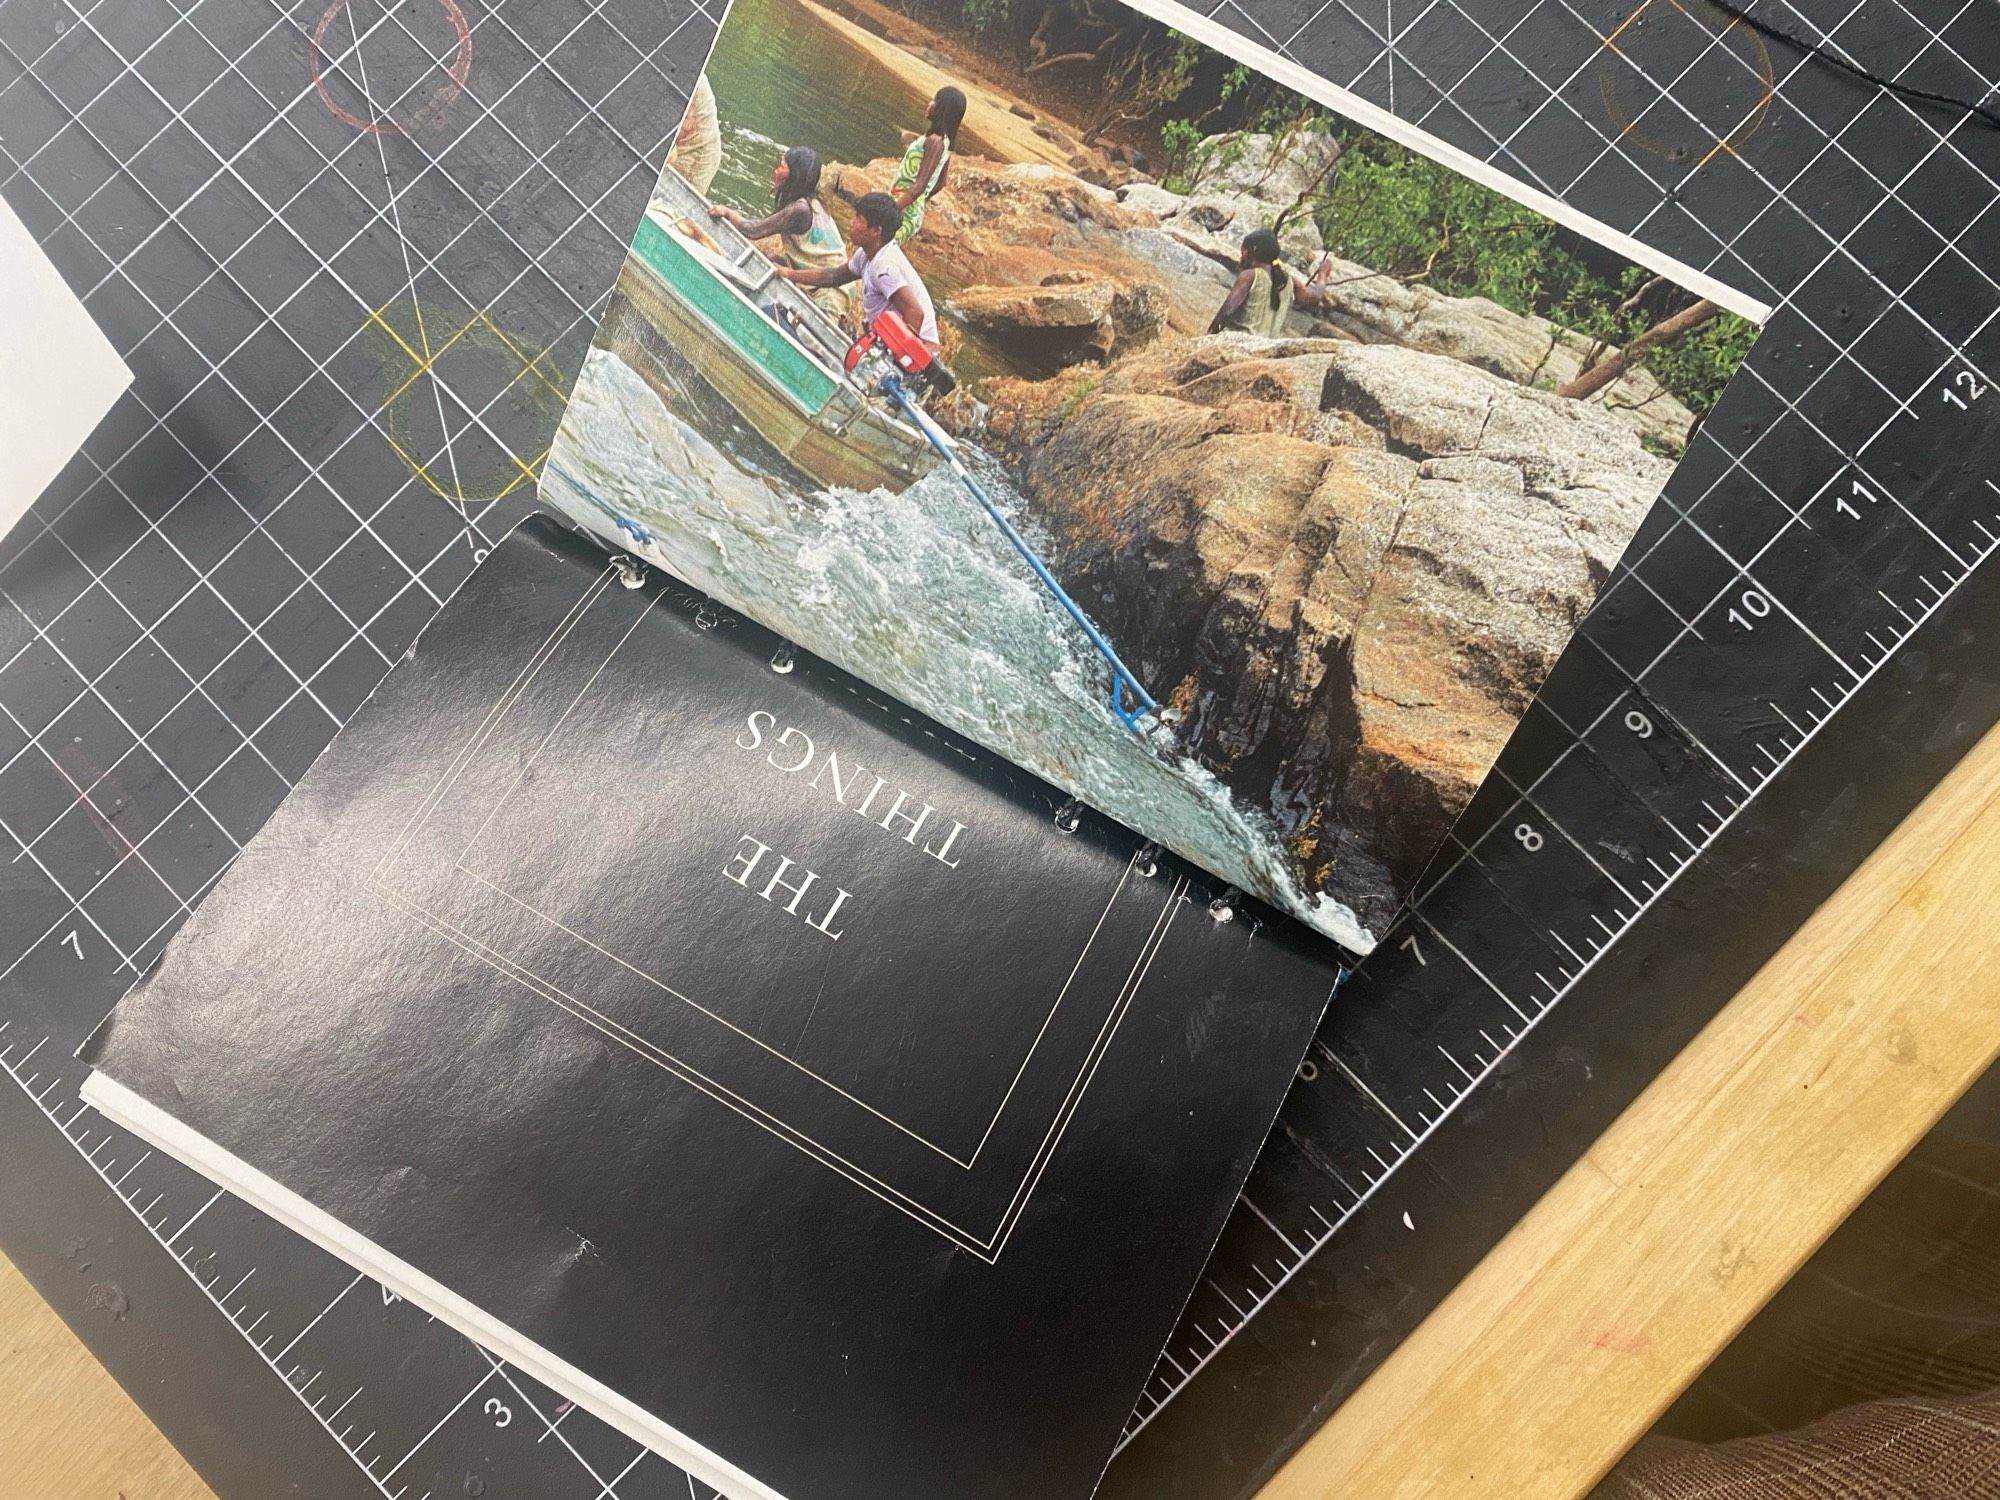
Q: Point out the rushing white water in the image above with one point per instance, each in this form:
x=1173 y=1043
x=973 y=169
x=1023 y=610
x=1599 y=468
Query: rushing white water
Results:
x=919 y=594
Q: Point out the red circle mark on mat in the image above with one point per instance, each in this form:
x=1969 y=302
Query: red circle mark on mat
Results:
x=443 y=94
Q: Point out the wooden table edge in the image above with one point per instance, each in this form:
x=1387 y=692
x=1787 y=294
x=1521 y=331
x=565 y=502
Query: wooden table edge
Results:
x=1574 y=1333
x=1565 y=1343
x=66 y=1427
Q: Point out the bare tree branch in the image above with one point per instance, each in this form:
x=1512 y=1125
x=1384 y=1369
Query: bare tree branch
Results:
x=1599 y=344
x=1595 y=379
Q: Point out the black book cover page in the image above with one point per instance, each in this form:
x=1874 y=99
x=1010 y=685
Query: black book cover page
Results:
x=818 y=1083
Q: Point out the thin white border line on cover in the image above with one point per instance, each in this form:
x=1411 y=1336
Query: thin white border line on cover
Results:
x=505 y=797
x=917 y=1136
x=988 y=1249
x=1302 y=80
x=148 y=1121
x=537 y=659
x=378 y=879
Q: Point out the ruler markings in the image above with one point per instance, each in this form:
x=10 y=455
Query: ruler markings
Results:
x=269 y=1361
x=1458 y=1096
x=477 y=1386
x=1815 y=704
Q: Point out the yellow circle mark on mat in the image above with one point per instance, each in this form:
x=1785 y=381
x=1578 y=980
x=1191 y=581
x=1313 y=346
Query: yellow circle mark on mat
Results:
x=469 y=409
x=1645 y=57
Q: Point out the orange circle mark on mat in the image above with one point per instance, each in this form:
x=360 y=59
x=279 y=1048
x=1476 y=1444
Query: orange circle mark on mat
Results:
x=454 y=81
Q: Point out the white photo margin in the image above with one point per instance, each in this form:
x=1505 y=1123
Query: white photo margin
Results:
x=1302 y=80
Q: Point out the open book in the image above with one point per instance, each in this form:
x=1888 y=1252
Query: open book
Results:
x=813 y=1000
x=821 y=1101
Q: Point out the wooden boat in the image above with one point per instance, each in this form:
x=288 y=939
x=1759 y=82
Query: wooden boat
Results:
x=765 y=347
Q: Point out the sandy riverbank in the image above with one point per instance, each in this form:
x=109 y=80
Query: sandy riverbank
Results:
x=992 y=127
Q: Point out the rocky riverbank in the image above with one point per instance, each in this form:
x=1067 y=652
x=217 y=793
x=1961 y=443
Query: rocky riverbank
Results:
x=1349 y=557
x=1348 y=566
x=1054 y=267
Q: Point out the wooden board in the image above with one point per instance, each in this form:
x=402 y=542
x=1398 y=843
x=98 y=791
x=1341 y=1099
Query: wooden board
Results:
x=1571 y=1337
x=67 y=1432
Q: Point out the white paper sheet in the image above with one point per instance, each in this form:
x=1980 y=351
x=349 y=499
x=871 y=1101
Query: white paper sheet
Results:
x=58 y=373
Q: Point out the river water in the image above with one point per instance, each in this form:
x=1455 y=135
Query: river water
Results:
x=782 y=78
x=919 y=594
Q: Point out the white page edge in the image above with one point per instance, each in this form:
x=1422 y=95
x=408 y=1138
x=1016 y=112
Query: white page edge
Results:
x=59 y=374
x=162 y=1131
x=1302 y=80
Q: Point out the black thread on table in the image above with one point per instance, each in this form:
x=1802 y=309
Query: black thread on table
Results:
x=1825 y=55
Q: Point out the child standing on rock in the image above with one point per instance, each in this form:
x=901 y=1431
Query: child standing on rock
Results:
x=926 y=162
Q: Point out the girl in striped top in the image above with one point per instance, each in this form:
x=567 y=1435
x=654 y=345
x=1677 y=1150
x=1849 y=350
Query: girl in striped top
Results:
x=926 y=163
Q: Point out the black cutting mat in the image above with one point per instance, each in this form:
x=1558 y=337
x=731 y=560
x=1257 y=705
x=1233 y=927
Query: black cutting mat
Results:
x=353 y=255
x=1795 y=651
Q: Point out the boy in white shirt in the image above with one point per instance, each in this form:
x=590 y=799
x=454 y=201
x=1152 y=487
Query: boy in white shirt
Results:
x=887 y=278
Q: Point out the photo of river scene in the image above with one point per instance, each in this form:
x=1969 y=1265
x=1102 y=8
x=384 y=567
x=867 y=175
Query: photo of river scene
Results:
x=1331 y=446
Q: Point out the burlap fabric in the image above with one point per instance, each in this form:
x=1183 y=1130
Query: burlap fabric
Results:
x=1880 y=1450
x=1875 y=1374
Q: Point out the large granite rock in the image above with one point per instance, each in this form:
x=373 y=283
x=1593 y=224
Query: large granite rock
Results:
x=1070 y=317
x=1279 y=169
x=1170 y=258
x=1249 y=180
x=1349 y=566
x=1020 y=225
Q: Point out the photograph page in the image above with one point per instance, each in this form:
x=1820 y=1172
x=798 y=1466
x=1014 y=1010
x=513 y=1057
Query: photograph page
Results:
x=1181 y=438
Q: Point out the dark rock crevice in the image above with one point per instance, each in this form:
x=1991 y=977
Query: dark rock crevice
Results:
x=1348 y=566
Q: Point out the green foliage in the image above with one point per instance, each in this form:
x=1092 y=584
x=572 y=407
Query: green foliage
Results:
x=1405 y=214
x=1079 y=389
x=1168 y=77
x=982 y=15
x=1148 y=74
x=1191 y=153
x=1698 y=364
x=1181 y=152
x=1191 y=156
x=1421 y=222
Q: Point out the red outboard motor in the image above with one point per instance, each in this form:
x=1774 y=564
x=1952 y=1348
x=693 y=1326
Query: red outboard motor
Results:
x=896 y=343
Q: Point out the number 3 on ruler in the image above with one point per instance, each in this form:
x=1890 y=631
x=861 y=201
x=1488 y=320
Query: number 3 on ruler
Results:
x=70 y=941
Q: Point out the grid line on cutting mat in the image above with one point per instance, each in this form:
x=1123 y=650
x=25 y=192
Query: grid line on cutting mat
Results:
x=314 y=519
x=584 y=318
